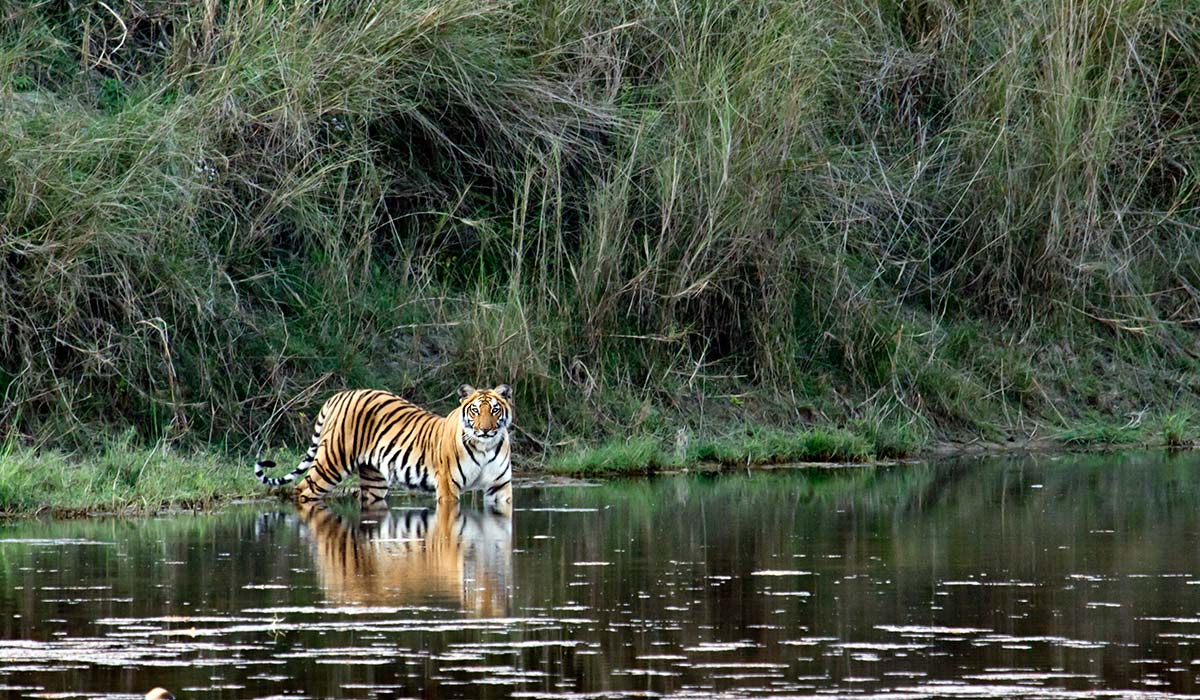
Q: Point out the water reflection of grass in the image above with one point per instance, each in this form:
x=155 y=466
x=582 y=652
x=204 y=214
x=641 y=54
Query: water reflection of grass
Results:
x=1007 y=519
x=1108 y=481
x=770 y=494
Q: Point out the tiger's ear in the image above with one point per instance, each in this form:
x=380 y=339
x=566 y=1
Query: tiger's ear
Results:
x=504 y=390
x=465 y=390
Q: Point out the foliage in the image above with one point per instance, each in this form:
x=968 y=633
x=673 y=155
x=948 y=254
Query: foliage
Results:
x=963 y=217
x=636 y=456
x=1097 y=432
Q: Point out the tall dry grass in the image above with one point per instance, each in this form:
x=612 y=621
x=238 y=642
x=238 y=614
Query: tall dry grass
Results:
x=640 y=213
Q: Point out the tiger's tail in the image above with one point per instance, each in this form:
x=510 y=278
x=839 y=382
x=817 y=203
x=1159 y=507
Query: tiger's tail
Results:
x=262 y=465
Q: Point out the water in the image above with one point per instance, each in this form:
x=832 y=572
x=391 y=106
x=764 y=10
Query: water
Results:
x=1072 y=577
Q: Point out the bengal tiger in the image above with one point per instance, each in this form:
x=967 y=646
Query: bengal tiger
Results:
x=388 y=440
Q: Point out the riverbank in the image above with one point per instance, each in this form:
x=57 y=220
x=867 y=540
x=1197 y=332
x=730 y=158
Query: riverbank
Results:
x=121 y=477
x=860 y=445
x=125 y=479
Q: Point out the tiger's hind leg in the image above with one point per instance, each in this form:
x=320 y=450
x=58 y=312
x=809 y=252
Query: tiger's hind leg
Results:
x=373 y=486
x=319 y=482
x=321 y=478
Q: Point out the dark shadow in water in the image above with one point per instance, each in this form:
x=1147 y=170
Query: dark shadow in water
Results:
x=447 y=557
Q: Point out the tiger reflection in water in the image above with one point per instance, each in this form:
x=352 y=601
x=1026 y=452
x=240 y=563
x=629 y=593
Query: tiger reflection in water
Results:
x=452 y=556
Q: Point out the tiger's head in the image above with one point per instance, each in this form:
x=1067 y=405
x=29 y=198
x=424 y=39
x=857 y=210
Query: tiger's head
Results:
x=486 y=413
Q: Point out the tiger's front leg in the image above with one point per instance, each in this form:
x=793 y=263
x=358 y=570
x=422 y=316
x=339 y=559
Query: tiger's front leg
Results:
x=499 y=498
x=448 y=490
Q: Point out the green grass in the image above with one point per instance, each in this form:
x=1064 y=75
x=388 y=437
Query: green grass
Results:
x=642 y=455
x=1179 y=429
x=774 y=446
x=921 y=220
x=121 y=478
x=893 y=432
x=755 y=447
x=1173 y=430
x=1097 y=432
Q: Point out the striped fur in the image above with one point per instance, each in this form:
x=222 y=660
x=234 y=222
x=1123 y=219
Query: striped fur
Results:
x=388 y=440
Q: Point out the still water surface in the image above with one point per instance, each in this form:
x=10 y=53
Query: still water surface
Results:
x=1072 y=577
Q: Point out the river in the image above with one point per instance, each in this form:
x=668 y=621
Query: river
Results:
x=1047 y=577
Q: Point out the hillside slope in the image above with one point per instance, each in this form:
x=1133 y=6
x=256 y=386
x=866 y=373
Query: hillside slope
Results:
x=918 y=221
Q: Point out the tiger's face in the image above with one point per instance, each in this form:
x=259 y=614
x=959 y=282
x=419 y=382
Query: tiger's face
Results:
x=486 y=413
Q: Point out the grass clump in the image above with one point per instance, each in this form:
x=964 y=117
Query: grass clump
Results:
x=773 y=446
x=1173 y=430
x=890 y=434
x=646 y=455
x=119 y=477
x=1097 y=432
x=642 y=455
x=895 y=440
x=1179 y=429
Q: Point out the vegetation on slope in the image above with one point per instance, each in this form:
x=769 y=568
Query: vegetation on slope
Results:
x=907 y=219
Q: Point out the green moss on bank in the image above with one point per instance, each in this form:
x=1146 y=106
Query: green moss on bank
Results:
x=754 y=447
x=864 y=443
x=120 y=477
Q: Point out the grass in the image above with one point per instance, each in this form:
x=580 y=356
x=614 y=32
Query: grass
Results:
x=775 y=446
x=1173 y=430
x=647 y=455
x=920 y=220
x=120 y=477
x=866 y=442
x=1101 y=434
x=1179 y=429
x=643 y=455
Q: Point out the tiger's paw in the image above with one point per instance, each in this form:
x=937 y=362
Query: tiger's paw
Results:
x=501 y=508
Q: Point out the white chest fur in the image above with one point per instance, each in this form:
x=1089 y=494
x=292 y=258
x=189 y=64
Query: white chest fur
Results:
x=484 y=464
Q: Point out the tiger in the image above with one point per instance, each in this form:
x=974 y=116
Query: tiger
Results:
x=449 y=557
x=387 y=440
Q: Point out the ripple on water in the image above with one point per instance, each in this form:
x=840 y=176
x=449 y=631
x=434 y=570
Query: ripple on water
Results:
x=781 y=572
x=931 y=631
x=43 y=542
x=715 y=647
